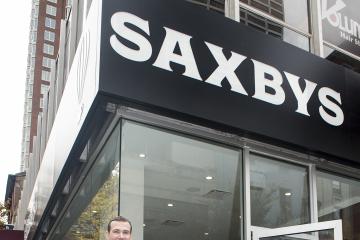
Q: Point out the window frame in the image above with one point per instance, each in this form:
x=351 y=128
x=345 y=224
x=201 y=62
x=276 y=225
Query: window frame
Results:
x=51 y=10
x=50 y=22
x=48 y=49
x=49 y=36
x=245 y=145
x=45 y=75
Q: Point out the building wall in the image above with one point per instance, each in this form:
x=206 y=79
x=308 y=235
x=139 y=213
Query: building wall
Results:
x=37 y=86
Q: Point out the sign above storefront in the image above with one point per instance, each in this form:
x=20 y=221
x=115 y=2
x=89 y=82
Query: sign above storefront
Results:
x=211 y=68
x=341 y=24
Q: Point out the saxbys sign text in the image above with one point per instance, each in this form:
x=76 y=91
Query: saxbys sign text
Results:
x=268 y=79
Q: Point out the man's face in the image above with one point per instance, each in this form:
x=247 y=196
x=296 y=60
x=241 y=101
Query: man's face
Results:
x=119 y=231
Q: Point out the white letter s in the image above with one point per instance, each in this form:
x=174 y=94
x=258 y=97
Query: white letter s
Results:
x=338 y=119
x=118 y=21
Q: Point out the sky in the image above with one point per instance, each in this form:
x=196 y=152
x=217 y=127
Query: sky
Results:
x=14 y=39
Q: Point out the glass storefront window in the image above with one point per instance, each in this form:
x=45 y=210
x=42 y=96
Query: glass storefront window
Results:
x=97 y=199
x=339 y=198
x=276 y=30
x=279 y=193
x=294 y=13
x=176 y=187
x=341 y=59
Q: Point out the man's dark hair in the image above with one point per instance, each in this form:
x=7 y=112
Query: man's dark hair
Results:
x=119 y=219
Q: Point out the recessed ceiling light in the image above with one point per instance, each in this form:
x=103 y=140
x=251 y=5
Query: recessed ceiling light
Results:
x=206 y=233
x=170 y=204
x=209 y=177
x=142 y=155
x=94 y=211
x=288 y=194
x=144 y=225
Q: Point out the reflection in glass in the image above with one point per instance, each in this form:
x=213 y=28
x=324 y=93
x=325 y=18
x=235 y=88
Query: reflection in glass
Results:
x=339 y=198
x=214 y=5
x=97 y=199
x=294 y=13
x=174 y=187
x=276 y=30
x=341 y=59
x=279 y=193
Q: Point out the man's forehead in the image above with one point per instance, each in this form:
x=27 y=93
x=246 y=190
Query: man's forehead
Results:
x=120 y=225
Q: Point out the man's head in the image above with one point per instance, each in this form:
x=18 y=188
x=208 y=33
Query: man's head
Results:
x=119 y=228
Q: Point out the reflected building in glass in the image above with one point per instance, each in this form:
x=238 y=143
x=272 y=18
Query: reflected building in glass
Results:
x=174 y=157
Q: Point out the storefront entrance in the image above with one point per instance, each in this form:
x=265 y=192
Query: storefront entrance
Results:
x=179 y=181
x=314 y=231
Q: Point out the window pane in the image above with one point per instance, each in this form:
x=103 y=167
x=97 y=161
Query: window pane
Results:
x=174 y=187
x=44 y=88
x=294 y=13
x=339 y=198
x=51 y=10
x=47 y=62
x=49 y=36
x=214 y=5
x=96 y=201
x=279 y=193
x=45 y=75
x=50 y=23
x=341 y=59
x=48 y=49
x=271 y=28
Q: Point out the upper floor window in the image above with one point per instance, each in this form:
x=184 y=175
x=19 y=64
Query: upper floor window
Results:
x=48 y=49
x=50 y=22
x=214 y=5
x=47 y=62
x=45 y=75
x=44 y=89
x=340 y=58
x=284 y=19
x=34 y=24
x=294 y=13
x=32 y=49
x=33 y=37
x=53 y=1
x=35 y=11
x=51 y=10
x=31 y=77
x=49 y=36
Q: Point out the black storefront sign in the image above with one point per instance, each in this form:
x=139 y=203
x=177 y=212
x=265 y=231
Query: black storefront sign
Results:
x=341 y=24
x=180 y=58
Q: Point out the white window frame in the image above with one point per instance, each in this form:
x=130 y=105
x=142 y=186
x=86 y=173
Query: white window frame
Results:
x=48 y=49
x=50 y=22
x=45 y=75
x=51 y=10
x=44 y=89
x=49 y=36
x=41 y=103
x=47 y=62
